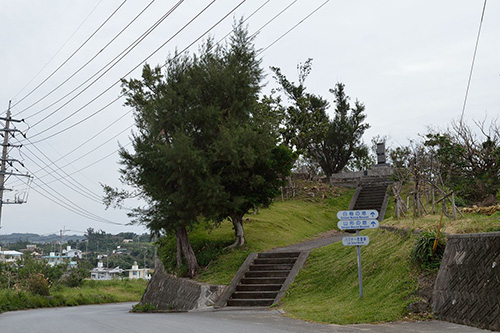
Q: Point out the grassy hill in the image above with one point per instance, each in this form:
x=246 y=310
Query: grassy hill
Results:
x=326 y=290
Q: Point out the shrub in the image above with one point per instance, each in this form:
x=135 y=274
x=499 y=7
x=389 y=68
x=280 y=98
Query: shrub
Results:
x=148 y=307
x=421 y=253
x=37 y=284
x=75 y=277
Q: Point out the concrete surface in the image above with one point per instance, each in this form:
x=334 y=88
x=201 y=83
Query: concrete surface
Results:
x=113 y=318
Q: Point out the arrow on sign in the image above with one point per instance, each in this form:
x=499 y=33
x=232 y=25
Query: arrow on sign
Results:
x=357 y=224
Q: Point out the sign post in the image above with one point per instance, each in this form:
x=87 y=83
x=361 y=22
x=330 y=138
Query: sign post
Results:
x=357 y=220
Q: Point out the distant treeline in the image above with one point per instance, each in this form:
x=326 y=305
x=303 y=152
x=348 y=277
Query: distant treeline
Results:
x=35 y=238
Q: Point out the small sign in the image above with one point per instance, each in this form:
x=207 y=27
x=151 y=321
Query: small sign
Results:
x=357 y=214
x=357 y=224
x=356 y=241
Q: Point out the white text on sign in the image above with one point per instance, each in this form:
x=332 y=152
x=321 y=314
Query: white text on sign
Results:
x=357 y=214
x=357 y=224
x=356 y=240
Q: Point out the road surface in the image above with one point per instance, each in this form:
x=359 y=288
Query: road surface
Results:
x=111 y=318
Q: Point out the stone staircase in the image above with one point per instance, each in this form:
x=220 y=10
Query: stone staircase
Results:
x=371 y=194
x=263 y=279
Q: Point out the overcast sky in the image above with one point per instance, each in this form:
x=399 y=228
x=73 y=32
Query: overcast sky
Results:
x=408 y=61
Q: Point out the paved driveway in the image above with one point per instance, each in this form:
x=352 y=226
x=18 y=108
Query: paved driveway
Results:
x=116 y=318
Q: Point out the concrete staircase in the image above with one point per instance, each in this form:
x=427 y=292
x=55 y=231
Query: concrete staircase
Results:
x=263 y=279
x=371 y=194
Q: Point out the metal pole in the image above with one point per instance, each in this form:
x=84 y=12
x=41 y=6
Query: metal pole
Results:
x=360 y=277
x=4 y=160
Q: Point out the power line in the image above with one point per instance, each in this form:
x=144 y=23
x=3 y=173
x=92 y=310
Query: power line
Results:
x=92 y=196
x=102 y=144
x=79 y=158
x=120 y=57
x=60 y=49
x=87 y=63
x=292 y=28
x=472 y=65
x=246 y=19
x=154 y=52
x=75 y=52
x=69 y=204
x=272 y=19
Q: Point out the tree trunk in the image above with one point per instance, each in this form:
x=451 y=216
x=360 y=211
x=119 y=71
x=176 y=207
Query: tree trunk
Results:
x=179 y=251
x=239 y=233
x=187 y=251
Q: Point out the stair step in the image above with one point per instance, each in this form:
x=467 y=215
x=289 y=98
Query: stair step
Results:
x=250 y=302
x=278 y=255
x=254 y=295
x=277 y=261
x=251 y=274
x=263 y=280
x=258 y=287
x=271 y=267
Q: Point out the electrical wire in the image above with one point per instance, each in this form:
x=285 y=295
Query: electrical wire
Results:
x=75 y=52
x=69 y=204
x=102 y=144
x=92 y=196
x=116 y=60
x=88 y=62
x=246 y=19
x=472 y=65
x=292 y=28
x=154 y=52
x=80 y=157
x=272 y=19
x=60 y=49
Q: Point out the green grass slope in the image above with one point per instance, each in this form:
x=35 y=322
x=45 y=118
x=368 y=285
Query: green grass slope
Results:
x=326 y=290
x=284 y=223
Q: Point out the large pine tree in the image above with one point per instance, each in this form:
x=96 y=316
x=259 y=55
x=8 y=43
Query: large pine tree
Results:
x=204 y=146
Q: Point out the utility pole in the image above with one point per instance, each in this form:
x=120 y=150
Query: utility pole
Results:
x=7 y=132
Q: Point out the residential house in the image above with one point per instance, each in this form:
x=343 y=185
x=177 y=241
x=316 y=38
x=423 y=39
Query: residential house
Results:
x=73 y=253
x=10 y=256
x=56 y=259
x=102 y=273
x=139 y=273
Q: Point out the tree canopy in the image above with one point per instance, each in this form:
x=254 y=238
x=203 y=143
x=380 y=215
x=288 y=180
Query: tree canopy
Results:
x=332 y=143
x=204 y=146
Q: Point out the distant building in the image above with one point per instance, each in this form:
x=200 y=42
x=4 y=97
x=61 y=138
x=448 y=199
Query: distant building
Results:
x=56 y=259
x=127 y=241
x=73 y=253
x=139 y=273
x=10 y=256
x=101 y=273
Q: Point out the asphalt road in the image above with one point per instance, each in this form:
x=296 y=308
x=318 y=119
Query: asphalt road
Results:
x=116 y=318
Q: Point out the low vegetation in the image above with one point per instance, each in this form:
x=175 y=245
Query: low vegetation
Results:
x=470 y=223
x=327 y=291
x=285 y=223
x=90 y=292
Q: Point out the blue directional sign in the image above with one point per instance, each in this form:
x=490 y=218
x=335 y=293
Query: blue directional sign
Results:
x=357 y=224
x=356 y=240
x=357 y=214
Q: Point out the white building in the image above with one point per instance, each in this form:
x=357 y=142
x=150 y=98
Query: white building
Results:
x=56 y=259
x=101 y=273
x=10 y=256
x=139 y=273
x=73 y=253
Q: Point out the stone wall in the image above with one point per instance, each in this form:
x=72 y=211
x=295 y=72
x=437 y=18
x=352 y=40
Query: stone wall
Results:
x=167 y=292
x=467 y=289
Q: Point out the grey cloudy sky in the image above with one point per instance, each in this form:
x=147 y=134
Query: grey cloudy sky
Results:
x=408 y=61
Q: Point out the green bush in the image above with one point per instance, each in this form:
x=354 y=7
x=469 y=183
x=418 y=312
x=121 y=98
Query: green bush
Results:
x=148 y=307
x=37 y=284
x=75 y=277
x=421 y=253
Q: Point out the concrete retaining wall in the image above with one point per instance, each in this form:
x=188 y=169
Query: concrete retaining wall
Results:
x=467 y=289
x=167 y=292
